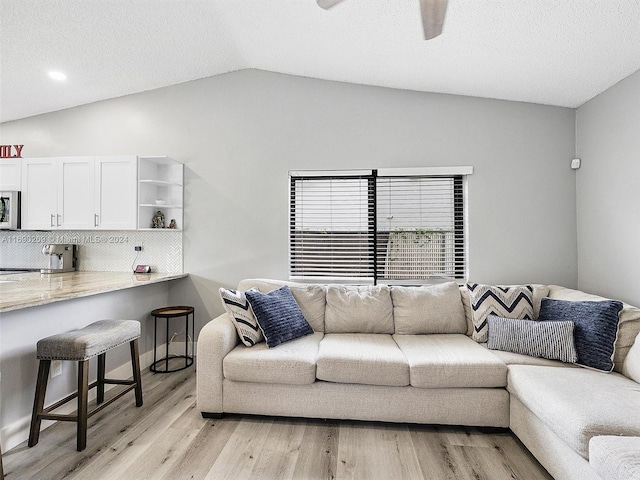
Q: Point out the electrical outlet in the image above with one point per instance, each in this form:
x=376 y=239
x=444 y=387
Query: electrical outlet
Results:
x=56 y=368
x=138 y=248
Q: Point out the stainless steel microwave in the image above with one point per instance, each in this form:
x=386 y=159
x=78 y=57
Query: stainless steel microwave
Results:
x=9 y=210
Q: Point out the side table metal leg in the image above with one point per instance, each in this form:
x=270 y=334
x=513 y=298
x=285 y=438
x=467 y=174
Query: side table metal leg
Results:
x=166 y=346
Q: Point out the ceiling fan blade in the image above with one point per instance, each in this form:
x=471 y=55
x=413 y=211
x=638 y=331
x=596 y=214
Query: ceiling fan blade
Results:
x=433 y=12
x=326 y=4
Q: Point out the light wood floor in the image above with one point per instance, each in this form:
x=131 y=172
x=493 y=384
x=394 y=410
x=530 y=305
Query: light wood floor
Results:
x=168 y=439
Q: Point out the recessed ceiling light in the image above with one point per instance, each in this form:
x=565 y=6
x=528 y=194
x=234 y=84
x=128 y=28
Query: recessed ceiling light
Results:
x=58 y=76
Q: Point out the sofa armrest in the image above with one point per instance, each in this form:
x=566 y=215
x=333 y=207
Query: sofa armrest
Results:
x=216 y=339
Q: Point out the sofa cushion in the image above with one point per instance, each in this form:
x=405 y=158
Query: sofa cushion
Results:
x=293 y=362
x=596 y=327
x=577 y=403
x=628 y=327
x=352 y=309
x=237 y=306
x=631 y=367
x=364 y=358
x=615 y=458
x=510 y=302
x=428 y=309
x=552 y=340
x=310 y=298
x=450 y=361
x=279 y=316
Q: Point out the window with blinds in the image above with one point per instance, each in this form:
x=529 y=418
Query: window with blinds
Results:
x=397 y=226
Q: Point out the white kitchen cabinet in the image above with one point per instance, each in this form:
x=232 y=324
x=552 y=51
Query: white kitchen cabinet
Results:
x=10 y=174
x=57 y=193
x=115 y=192
x=104 y=193
x=75 y=193
x=160 y=188
x=79 y=193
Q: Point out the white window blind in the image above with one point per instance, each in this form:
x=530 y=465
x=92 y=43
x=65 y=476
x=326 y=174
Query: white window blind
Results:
x=381 y=229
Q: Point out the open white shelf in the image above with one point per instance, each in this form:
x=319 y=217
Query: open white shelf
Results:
x=160 y=178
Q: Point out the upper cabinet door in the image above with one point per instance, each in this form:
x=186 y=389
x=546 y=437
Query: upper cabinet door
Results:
x=39 y=193
x=57 y=193
x=10 y=174
x=75 y=193
x=115 y=192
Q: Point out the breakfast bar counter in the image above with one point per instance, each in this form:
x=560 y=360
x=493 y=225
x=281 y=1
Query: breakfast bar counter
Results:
x=23 y=290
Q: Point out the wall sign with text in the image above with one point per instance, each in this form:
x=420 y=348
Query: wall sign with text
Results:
x=11 y=151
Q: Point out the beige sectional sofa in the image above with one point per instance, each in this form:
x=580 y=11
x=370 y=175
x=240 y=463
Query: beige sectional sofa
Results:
x=399 y=354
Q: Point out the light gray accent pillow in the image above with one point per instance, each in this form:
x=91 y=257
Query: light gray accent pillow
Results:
x=428 y=309
x=552 y=340
x=359 y=309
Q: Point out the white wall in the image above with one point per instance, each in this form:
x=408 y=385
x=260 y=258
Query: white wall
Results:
x=608 y=192
x=239 y=134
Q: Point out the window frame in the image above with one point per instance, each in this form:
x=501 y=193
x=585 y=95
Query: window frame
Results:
x=459 y=175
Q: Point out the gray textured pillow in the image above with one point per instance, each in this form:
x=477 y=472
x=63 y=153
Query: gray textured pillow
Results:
x=551 y=340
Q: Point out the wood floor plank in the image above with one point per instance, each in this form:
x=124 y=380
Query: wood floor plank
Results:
x=318 y=456
x=168 y=439
x=134 y=440
x=279 y=456
x=240 y=455
x=204 y=449
x=376 y=451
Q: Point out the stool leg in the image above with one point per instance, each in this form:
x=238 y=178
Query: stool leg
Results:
x=83 y=399
x=38 y=401
x=135 y=366
x=101 y=374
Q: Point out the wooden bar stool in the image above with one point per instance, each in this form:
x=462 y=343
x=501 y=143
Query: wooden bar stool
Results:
x=79 y=346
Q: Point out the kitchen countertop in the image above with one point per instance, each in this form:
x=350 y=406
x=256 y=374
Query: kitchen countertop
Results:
x=23 y=290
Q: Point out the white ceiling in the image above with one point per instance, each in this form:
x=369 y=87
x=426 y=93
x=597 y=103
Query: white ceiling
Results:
x=555 y=52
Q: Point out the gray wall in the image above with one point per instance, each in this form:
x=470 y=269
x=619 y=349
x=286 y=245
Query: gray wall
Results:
x=608 y=192
x=238 y=135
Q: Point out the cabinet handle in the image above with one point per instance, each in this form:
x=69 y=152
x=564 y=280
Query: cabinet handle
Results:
x=53 y=220
x=96 y=219
x=58 y=220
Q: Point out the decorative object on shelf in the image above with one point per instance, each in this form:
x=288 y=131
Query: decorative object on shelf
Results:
x=160 y=201
x=158 y=220
x=172 y=223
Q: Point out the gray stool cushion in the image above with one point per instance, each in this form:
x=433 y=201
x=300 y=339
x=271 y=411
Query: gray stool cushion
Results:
x=87 y=342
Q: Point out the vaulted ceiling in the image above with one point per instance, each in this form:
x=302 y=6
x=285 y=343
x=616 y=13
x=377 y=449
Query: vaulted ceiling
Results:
x=554 y=52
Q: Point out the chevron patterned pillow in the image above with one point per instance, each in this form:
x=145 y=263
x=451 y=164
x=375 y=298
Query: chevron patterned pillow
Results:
x=552 y=340
x=236 y=305
x=509 y=302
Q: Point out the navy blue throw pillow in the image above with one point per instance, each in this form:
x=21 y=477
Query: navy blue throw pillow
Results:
x=278 y=315
x=596 y=328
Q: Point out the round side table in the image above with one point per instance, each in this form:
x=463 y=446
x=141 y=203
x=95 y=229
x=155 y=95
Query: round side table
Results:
x=162 y=365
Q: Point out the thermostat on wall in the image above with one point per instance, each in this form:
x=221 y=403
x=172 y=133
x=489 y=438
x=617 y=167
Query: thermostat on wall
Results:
x=575 y=163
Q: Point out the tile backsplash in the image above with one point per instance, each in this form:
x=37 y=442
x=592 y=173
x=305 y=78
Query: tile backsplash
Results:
x=98 y=250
